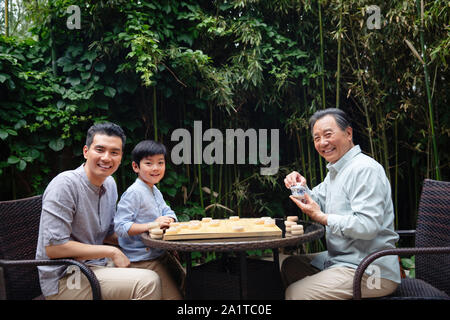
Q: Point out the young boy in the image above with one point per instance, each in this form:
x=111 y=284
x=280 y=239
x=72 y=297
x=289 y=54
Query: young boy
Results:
x=141 y=204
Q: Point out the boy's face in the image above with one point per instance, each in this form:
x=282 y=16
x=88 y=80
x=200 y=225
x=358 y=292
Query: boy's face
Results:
x=151 y=169
x=103 y=157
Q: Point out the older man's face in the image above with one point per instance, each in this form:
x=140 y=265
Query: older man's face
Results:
x=329 y=140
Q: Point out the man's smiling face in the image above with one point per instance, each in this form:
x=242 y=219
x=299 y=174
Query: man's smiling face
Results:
x=103 y=157
x=330 y=141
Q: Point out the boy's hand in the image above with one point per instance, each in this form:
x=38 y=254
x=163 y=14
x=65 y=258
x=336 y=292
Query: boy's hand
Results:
x=164 y=221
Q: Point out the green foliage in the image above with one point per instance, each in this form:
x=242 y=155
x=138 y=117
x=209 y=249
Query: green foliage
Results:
x=409 y=265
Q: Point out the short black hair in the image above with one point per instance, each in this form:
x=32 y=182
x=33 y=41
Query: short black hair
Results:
x=147 y=148
x=107 y=128
x=342 y=119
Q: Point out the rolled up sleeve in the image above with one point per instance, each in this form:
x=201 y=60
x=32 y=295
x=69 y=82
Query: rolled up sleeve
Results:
x=58 y=209
x=127 y=209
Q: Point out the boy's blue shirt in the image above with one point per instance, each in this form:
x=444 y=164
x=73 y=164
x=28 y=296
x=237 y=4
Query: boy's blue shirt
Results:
x=140 y=203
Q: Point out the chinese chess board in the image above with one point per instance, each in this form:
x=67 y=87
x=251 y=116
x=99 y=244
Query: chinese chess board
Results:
x=223 y=228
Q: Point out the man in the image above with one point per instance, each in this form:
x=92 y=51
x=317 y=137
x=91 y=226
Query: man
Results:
x=78 y=208
x=354 y=204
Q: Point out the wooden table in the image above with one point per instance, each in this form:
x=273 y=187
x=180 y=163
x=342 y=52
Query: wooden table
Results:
x=312 y=231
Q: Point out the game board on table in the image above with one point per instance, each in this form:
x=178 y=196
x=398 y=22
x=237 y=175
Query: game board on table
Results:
x=234 y=227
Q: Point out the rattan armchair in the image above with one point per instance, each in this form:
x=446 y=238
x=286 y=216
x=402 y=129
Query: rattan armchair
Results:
x=19 y=229
x=432 y=249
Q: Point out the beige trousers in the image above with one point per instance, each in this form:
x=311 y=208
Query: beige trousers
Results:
x=115 y=284
x=305 y=282
x=170 y=275
x=155 y=279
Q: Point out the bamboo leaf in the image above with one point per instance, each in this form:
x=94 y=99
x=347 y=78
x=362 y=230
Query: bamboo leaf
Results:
x=414 y=51
x=218 y=205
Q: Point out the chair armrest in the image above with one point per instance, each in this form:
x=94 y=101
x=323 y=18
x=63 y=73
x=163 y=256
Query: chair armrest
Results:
x=406 y=232
x=388 y=252
x=95 y=285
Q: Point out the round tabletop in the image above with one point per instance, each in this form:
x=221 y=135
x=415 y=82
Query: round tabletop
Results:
x=312 y=231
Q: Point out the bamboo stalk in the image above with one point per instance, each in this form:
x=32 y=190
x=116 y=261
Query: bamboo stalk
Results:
x=385 y=146
x=338 y=72
x=155 y=119
x=6 y=20
x=363 y=96
x=302 y=154
x=396 y=173
x=420 y=9
x=321 y=54
x=211 y=167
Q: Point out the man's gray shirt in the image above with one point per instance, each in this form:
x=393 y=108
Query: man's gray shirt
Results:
x=74 y=209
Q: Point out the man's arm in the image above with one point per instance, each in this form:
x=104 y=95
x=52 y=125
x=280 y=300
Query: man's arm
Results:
x=82 y=251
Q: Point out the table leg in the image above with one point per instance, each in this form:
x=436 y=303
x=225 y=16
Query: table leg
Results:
x=243 y=274
x=276 y=259
x=188 y=259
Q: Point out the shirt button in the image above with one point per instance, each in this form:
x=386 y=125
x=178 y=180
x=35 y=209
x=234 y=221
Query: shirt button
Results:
x=147 y=249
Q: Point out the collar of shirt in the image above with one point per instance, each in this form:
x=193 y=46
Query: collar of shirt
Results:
x=98 y=190
x=141 y=182
x=340 y=164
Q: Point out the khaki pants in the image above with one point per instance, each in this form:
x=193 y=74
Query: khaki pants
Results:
x=305 y=282
x=115 y=284
x=171 y=276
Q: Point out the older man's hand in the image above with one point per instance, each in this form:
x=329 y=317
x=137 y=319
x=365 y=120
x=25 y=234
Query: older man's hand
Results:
x=311 y=208
x=293 y=178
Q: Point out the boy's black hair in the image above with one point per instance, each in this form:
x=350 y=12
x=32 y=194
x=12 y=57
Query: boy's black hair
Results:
x=107 y=128
x=147 y=148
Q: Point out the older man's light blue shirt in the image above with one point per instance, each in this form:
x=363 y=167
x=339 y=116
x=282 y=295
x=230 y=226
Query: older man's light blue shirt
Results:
x=140 y=203
x=356 y=195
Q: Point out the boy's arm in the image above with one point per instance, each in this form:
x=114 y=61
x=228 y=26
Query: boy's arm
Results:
x=126 y=215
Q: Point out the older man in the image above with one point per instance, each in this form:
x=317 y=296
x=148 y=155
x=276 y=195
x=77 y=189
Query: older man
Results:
x=354 y=204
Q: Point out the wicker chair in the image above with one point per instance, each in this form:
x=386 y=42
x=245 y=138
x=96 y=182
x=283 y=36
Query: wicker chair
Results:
x=19 y=229
x=432 y=249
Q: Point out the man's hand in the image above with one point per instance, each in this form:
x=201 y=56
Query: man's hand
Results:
x=311 y=208
x=119 y=258
x=293 y=178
